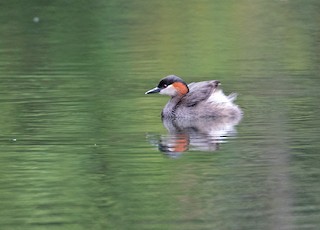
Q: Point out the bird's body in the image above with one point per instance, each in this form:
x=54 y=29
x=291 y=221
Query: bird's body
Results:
x=196 y=100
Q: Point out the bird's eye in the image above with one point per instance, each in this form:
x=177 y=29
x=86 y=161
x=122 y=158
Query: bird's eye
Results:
x=165 y=86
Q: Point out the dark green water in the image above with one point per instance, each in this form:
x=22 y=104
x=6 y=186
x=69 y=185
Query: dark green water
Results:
x=79 y=140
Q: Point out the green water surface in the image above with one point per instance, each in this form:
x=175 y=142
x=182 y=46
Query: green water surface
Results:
x=79 y=140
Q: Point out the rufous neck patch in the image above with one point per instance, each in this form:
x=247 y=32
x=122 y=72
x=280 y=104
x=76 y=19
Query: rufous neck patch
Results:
x=181 y=144
x=181 y=88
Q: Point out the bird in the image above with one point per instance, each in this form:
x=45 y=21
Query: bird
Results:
x=196 y=100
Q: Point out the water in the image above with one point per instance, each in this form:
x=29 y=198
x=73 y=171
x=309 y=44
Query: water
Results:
x=82 y=147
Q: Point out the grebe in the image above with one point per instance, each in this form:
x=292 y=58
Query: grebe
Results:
x=196 y=100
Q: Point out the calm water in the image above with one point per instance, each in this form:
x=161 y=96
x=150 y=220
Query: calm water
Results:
x=82 y=147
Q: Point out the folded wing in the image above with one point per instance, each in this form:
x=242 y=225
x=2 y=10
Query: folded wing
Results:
x=199 y=91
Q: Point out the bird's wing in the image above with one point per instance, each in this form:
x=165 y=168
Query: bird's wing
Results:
x=199 y=91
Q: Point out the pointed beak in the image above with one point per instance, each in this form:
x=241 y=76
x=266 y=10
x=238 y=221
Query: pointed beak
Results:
x=154 y=90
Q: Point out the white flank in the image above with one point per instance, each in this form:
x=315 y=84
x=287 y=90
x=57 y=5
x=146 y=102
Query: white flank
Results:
x=218 y=96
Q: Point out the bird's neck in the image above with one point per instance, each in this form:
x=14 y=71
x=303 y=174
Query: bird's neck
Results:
x=171 y=107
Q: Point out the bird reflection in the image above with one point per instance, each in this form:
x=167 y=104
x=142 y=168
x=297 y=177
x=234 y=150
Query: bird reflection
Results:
x=195 y=135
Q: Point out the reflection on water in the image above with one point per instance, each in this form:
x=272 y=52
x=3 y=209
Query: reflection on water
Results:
x=195 y=135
